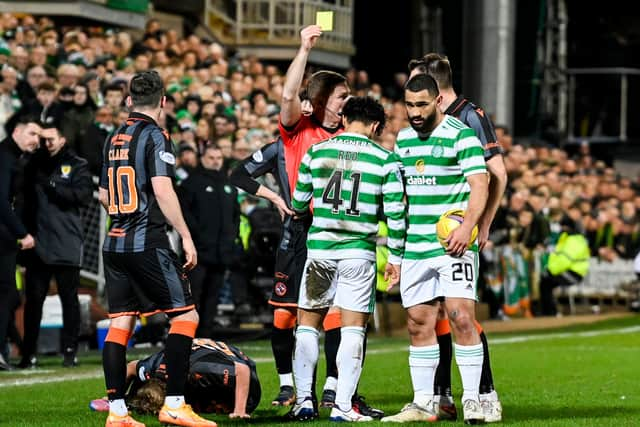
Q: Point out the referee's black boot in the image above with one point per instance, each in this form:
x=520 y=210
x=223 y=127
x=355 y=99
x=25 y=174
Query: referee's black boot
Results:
x=28 y=362
x=4 y=365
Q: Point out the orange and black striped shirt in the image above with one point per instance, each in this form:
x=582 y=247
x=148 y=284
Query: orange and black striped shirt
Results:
x=133 y=154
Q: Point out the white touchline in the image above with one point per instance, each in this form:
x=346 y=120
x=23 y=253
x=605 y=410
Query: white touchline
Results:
x=494 y=341
x=57 y=379
x=585 y=334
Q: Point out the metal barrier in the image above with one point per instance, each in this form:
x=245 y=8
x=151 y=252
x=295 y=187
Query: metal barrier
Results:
x=94 y=218
x=606 y=278
x=514 y=273
x=278 y=22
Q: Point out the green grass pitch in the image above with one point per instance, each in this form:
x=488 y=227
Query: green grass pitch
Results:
x=577 y=376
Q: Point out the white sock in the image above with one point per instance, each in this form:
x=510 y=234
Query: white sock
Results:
x=491 y=397
x=286 y=379
x=305 y=358
x=423 y=362
x=174 y=402
x=469 y=360
x=118 y=407
x=330 y=384
x=349 y=361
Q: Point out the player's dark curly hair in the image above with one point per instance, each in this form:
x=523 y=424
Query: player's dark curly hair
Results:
x=149 y=398
x=421 y=82
x=146 y=89
x=365 y=109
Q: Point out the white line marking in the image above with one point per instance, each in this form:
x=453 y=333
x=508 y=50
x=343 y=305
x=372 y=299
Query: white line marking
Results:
x=495 y=341
x=585 y=334
x=46 y=380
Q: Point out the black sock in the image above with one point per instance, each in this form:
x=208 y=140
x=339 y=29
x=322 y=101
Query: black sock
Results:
x=114 y=363
x=486 y=379
x=282 y=344
x=314 y=397
x=176 y=353
x=364 y=343
x=442 y=383
x=331 y=344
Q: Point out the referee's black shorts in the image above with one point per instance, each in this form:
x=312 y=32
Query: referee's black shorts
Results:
x=145 y=283
x=290 y=259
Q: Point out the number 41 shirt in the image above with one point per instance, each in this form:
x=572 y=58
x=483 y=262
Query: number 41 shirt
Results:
x=354 y=183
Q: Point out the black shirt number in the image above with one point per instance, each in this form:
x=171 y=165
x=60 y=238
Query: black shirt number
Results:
x=461 y=268
x=333 y=191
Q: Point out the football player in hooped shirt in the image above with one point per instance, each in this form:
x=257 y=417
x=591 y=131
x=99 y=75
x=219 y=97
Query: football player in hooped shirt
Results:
x=438 y=67
x=442 y=147
x=351 y=182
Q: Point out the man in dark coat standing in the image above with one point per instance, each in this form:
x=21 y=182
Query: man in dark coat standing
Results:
x=24 y=139
x=211 y=210
x=58 y=185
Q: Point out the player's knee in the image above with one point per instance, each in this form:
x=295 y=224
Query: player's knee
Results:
x=419 y=329
x=284 y=319
x=188 y=316
x=463 y=322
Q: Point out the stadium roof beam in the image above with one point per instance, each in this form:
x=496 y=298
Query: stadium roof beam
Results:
x=82 y=9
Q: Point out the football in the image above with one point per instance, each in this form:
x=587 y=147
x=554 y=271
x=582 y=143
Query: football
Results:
x=448 y=222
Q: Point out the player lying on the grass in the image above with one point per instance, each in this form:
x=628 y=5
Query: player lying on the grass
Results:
x=222 y=379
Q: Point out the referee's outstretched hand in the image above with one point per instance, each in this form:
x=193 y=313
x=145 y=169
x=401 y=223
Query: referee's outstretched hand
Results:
x=190 y=254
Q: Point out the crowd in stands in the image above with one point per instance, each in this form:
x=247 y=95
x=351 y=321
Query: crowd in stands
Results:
x=76 y=79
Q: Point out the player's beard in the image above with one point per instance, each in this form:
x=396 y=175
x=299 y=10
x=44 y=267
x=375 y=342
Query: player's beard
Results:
x=427 y=125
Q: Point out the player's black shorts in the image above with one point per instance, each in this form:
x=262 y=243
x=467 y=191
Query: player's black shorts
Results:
x=145 y=283
x=290 y=259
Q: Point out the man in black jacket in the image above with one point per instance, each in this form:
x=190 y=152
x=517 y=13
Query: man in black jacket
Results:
x=58 y=184
x=211 y=210
x=23 y=139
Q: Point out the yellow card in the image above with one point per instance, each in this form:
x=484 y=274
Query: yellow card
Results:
x=325 y=20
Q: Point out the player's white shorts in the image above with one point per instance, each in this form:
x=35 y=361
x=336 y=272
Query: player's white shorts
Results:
x=346 y=283
x=443 y=276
